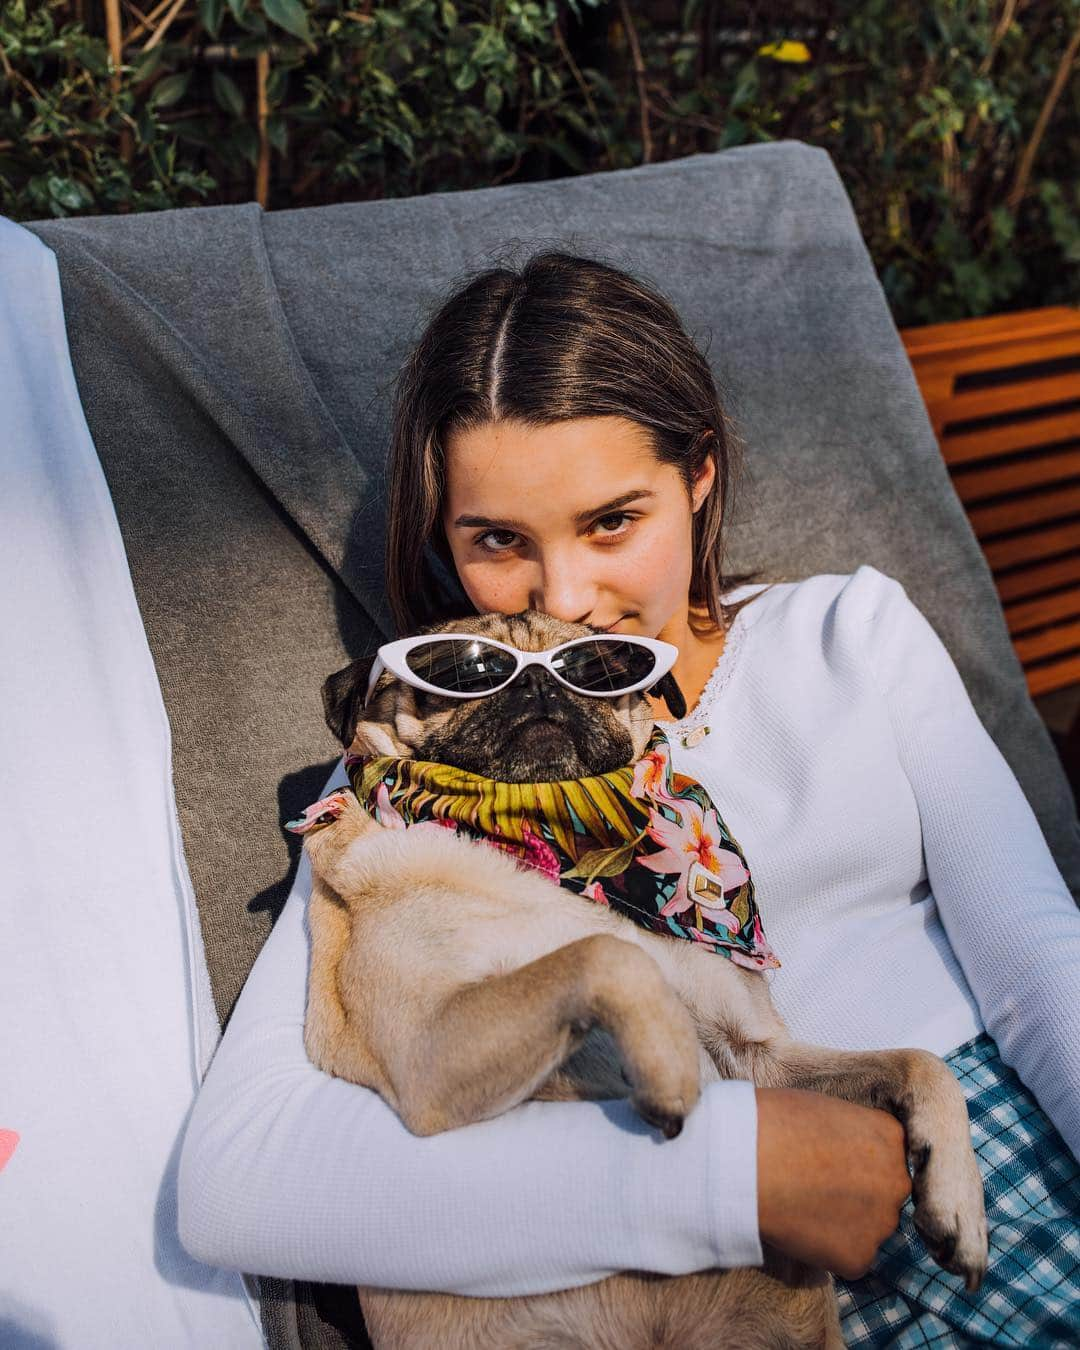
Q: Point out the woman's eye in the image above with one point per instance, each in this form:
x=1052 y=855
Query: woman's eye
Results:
x=482 y=540
x=501 y=541
x=617 y=516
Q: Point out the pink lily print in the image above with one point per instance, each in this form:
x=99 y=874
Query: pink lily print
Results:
x=385 y=813
x=594 y=891
x=651 y=774
x=697 y=839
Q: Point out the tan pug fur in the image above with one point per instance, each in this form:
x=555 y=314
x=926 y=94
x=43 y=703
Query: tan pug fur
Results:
x=457 y=984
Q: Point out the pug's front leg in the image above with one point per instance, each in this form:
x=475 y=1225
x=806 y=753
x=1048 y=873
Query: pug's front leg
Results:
x=495 y=1043
x=920 y=1090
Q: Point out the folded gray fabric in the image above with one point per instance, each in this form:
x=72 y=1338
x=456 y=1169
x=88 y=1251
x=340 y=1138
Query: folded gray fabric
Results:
x=236 y=370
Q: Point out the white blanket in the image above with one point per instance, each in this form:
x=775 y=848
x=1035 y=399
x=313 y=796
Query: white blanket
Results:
x=106 y=1018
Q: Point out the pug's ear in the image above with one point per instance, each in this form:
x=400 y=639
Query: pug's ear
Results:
x=385 y=726
x=667 y=689
x=343 y=697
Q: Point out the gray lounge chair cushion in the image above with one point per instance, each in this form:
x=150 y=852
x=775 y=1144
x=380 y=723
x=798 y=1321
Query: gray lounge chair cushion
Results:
x=235 y=368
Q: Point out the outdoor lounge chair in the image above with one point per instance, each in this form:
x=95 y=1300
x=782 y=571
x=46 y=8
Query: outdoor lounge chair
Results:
x=234 y=369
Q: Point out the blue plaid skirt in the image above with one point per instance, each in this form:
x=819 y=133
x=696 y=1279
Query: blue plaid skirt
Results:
x=1031 y=1294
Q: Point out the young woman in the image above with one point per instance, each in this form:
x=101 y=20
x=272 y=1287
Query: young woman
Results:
x=558 y=444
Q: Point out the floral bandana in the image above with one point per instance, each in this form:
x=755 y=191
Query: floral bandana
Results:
x=597 y=837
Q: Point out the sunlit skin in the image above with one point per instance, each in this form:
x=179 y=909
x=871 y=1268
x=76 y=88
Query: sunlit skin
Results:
x=535 y=520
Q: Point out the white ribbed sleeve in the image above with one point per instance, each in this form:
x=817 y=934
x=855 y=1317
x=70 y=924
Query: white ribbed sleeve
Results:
x=1008 y=914
x=286 y=1171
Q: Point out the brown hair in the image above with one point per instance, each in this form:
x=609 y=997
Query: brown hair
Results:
x=563 y=337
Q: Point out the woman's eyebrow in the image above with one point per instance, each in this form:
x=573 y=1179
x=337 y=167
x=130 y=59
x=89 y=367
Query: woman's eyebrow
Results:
x=482 y=522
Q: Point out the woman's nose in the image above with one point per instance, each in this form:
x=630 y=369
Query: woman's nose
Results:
x=564 y=593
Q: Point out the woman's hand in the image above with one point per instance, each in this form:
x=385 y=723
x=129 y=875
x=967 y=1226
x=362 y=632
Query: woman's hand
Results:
x=832 y=1178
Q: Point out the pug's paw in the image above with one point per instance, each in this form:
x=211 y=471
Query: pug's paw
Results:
x=662 y=1065
x=950 y=1212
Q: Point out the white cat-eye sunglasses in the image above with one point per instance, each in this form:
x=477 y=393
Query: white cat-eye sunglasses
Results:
x=462 y=665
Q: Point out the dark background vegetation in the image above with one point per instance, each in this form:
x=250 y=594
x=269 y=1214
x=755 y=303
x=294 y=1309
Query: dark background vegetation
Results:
x=955 y=124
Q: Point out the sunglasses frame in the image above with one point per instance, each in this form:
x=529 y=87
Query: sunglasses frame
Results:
x=391 y=657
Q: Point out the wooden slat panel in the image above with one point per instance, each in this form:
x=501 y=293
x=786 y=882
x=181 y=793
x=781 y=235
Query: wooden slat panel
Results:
x=1064 y=637
x=1004 y=398
x=1019 y=513
x=1001 y=355
x=1006 y=440
x=1056 y=675
x=964 y=333
x=1031 y=547
x=1013 y=505
x=1044 y=577
x=1046 y=610
x=973 y=485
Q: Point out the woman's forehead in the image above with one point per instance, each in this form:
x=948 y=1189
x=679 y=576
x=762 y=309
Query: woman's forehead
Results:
x=504 y=468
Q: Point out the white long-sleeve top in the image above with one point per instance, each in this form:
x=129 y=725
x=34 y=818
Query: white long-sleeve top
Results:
x=903 y=881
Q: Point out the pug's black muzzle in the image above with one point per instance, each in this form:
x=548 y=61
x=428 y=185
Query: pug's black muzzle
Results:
x=533 y=731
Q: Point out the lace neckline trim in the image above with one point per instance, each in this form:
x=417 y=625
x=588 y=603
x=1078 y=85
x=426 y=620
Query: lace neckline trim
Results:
x=717 y=681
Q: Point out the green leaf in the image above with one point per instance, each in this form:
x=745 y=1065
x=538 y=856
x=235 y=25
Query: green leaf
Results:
x=246 y=142
x=238 y=8
x=147 y=64
x=449 y=14
x=603 y=862
x=277 y=133
x=227 y=92
x=210 y=11
x=465 y=77
x=1003 y=222
x=95 y=59
x=571 y=115
x=600 y=83
x=290 y=15
x=276 y=85
x=402 y=139
x=746 y=86
x=145 y=128
x=68 y=193
x=568 y=156
x=493 y=96
x=170 y=90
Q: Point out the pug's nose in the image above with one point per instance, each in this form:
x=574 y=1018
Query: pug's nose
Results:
x=534 y=688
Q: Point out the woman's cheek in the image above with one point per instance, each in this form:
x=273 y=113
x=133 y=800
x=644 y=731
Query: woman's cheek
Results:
x=656 y=563
x=494 y=588
x=658 y=578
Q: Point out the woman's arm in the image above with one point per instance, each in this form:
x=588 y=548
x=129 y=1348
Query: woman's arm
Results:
x=287 y=1171
x=1005 y=907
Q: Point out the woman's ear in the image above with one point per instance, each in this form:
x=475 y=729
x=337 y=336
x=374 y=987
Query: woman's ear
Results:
x=704 y=476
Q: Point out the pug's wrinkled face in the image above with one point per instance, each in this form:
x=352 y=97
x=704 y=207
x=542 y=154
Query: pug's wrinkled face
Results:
x=536 y=730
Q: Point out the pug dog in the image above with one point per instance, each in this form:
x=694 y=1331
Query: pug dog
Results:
x=457 y=983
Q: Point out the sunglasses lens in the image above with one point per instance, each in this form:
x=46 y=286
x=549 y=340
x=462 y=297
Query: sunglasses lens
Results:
x=604 y=667
x=471 y=667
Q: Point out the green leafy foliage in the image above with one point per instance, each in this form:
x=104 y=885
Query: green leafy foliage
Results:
x=925 y=106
